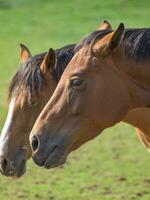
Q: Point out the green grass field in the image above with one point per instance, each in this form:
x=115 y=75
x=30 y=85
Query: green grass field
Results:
x=114 y=166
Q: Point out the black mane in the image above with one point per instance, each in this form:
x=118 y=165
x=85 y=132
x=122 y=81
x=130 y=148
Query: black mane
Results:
x=136 y=42
x=64 y=55
x=29 y=79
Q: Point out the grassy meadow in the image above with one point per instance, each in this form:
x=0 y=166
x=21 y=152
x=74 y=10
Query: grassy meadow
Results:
x=115 y=165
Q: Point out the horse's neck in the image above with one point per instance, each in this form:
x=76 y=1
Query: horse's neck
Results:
x=137 y=75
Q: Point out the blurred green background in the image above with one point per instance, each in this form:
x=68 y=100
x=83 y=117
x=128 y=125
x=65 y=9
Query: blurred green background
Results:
x=114 y=166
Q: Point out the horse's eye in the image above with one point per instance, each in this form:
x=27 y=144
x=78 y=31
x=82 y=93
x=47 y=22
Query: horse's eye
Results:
x=76 y=82
x=32 y=103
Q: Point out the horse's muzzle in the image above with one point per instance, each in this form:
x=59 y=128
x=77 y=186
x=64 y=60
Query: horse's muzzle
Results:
x=13 y=168
x=46 y=153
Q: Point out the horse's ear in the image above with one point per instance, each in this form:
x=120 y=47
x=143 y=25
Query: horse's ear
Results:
x=49 y=61
x=105 y=25
x=25 y=53
x=110 y=42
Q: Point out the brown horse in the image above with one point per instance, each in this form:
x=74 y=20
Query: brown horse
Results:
x=29 y=101
x=106 y=81
x=29 y=91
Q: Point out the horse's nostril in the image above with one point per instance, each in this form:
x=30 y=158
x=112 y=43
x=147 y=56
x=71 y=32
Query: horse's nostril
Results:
x=4 y=164
x=35 y=143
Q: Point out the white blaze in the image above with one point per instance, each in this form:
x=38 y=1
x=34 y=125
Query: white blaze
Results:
x=5 y=131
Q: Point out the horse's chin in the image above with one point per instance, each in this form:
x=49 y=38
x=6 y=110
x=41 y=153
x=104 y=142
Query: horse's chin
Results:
x=20 y=172
x=52 y=159
x=59 y=158
x=48 y=164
